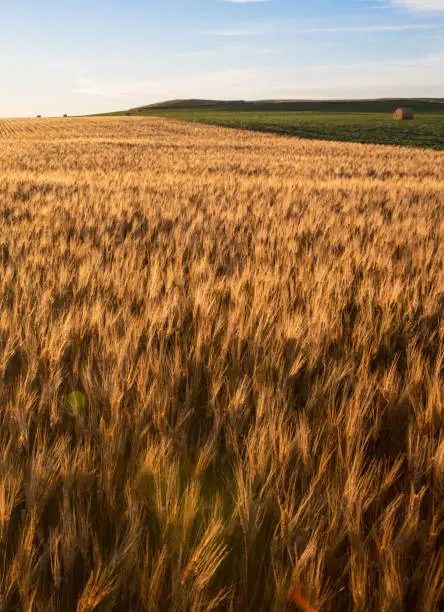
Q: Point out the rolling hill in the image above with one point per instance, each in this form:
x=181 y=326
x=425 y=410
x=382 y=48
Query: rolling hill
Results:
x=383 y=105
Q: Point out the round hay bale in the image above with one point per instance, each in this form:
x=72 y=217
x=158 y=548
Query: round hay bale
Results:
x=403 y=114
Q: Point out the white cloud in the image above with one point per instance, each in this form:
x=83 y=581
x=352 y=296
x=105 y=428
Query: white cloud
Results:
x=212 y=82
x=414 y=77
x=295 y=29
x=420 y=5
x=190 y=54
x=372 y=28
x=85 y=81
x=231 y=32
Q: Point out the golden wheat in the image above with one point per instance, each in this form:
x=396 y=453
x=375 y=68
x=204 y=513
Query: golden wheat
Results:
x=255 y=324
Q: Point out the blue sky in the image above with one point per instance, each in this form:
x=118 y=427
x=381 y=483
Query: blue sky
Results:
x=82 y=57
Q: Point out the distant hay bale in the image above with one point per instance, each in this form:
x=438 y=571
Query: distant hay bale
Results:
x=127 y=114
x=403 y=114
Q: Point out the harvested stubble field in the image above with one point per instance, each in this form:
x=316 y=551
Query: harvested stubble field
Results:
x=256 y=325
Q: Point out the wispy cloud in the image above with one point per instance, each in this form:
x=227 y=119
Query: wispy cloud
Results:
x=425 y=6
x=212 y=82
x=231 y=32
x=229 y=47
x=405 y=76
x=196 y=53
x=371 y=28
x=85 y=81
x=267 y=28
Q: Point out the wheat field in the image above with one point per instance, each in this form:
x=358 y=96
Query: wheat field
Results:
x=253 y=328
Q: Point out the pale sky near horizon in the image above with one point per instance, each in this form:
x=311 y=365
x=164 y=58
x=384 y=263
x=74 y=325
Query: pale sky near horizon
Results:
x=86 y=57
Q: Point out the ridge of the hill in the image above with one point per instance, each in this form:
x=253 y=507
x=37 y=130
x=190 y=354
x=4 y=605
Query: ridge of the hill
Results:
x=382 y=105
